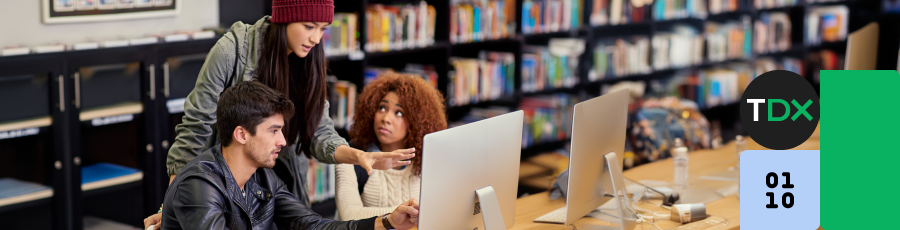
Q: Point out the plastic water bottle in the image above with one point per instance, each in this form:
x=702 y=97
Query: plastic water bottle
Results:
x=739 y=146
x=680 y=157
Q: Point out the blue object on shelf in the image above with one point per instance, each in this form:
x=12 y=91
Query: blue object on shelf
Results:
x=10 y=187
x=103 y=171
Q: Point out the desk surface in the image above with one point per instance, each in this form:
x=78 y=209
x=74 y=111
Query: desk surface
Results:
x=702 y=162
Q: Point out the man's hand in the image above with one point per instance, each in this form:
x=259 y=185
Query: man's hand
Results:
x=405 y=216
x=385 y=160
x=153 y=220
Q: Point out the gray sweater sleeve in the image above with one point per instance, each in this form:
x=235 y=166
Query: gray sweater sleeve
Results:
x=200 y=106
x=326 y=139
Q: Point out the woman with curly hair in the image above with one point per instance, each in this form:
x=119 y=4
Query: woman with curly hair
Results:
x=393 y=112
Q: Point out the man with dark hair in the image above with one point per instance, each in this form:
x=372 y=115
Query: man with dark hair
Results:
x=232 y=186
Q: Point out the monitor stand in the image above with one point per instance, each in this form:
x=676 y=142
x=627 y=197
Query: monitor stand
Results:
x=490 y=208
x=627 y=220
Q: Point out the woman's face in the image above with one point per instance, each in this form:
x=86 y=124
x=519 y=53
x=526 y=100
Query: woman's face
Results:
x=390 y=125
x=302 y=36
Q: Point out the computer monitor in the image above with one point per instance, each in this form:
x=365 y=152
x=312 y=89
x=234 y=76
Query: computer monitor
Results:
x=598 y=128
x=474 y=162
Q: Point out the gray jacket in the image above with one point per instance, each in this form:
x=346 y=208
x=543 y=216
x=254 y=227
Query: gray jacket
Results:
x=196 y=133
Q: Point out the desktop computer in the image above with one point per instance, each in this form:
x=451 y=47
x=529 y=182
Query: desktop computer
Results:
x=470 y=175
x=595 y=170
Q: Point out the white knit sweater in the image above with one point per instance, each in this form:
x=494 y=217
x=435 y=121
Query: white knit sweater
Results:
x=383 y=192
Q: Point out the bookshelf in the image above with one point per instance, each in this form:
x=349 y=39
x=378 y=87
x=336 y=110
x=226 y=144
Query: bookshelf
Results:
x=166 y=72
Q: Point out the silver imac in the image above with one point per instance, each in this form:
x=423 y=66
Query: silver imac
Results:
x=595 y=161
x=470 y=175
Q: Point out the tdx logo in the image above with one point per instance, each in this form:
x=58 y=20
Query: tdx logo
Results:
x=779 y=109
x=801 y=110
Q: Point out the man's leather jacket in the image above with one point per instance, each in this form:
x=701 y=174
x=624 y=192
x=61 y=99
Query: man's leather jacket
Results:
x=205 y=195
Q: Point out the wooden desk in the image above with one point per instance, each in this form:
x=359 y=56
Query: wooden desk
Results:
x=703 y=162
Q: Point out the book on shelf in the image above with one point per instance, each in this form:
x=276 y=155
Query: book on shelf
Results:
x=547 y=16
x=396 y=27
x=617 y=12
x=824 y=60
x=724 y=6
x=826 y=24
x=768 y=4
x=13 y=191
x=764 y=65
x=680 y=47
x=426 y=72
x=675 y=9
x=320 y=181
x=713 y=86
x=730 y=40
x=106 y=174
x=551 y=67
x=341 y=36
x=488 y=77
x=480 y=20
x=342 y=97
x=619 y=57
x=547 y=118
x=772 y=33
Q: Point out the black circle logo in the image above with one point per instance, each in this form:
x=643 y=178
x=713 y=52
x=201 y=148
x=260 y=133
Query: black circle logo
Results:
x=780 y=109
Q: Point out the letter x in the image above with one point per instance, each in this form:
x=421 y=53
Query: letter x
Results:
x=801 y=110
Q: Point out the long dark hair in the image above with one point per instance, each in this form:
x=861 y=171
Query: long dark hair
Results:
x=307 y=92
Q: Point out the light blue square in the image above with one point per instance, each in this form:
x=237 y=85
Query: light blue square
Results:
x=803 y=166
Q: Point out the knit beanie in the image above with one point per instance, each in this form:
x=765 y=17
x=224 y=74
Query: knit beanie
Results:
x=287 y=11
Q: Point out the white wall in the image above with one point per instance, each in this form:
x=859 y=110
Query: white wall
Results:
x=20 y=24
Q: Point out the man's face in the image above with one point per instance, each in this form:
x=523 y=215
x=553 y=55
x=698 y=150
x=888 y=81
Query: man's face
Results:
x=263 y=147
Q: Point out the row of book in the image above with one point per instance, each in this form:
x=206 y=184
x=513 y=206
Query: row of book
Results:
x=620 y=57
x=714 y=86
x=551 y=67
x=426 y=72
x=824 y=60
x=396 y=27
x=675 y=9
x=152 y=39
x=479 y=20
x=547 y=118
x=768 y=4
x=730 y=40
x=342 y=98
x=772 y=33
x=723 y=85
x=764 y=65
x=547 y=16
x=724 y=6
x=617 y=12
x=320 y=181
x=489 y=77
x=826 y=24
x=341 y=37
x=681 y=47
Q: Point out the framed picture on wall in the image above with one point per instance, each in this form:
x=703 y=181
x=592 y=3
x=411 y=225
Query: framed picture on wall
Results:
x=106 y=4
x=125 y=4
x=63 y=5
x=74 y=11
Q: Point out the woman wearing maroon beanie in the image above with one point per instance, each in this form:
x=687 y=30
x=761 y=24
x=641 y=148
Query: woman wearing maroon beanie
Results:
x=281 y=51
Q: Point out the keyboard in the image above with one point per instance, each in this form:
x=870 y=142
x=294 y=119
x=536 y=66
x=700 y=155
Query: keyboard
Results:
x=555 y=217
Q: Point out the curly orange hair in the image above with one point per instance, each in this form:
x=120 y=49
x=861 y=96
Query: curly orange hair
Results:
x=423 y=104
